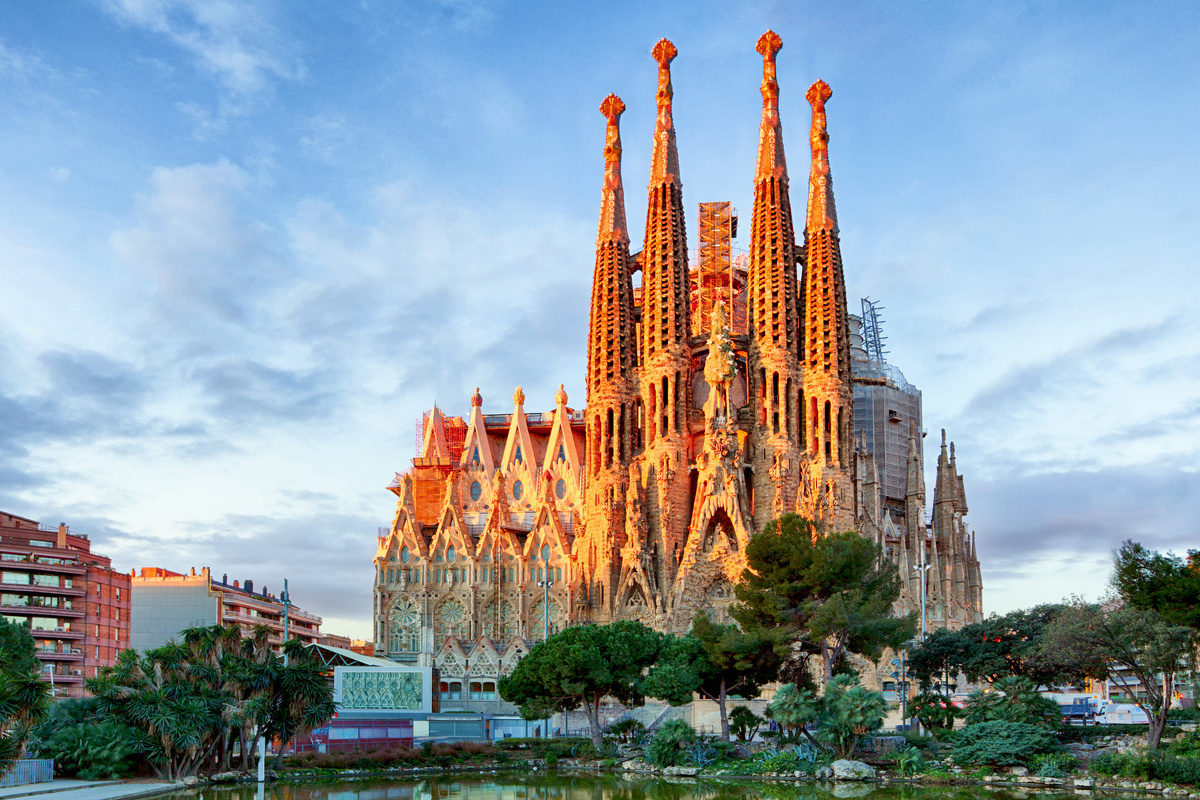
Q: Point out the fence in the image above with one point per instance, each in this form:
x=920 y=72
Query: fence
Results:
x=29 y=770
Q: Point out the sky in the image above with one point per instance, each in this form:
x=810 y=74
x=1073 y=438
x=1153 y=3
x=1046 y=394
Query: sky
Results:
x=243 y=244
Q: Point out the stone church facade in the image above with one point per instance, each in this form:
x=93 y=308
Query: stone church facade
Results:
x=703 y=422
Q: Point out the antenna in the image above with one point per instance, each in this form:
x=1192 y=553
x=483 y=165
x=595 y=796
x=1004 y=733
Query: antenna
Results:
x=872 y=330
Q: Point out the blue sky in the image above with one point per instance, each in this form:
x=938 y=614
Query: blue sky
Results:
x=244 y=244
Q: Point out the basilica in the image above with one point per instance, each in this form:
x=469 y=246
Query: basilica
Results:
x=720 y=395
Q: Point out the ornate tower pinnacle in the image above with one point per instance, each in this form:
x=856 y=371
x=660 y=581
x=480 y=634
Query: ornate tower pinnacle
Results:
x=612 y=198
x=771 y=161
x=821 y=212
x=664 y=161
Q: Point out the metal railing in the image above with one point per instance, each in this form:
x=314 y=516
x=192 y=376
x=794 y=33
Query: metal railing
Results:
x=29 y=770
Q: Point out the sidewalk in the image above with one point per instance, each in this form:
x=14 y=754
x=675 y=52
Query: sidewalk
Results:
x=85 y=790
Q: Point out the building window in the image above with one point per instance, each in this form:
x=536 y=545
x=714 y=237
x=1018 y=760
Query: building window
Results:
x=450 y=690
x=483 y=690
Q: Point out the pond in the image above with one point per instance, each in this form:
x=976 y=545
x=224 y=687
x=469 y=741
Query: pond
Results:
x=566 y=786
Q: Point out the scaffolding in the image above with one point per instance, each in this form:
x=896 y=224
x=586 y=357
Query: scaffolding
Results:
x=717 y=277
x=454 y=433
x=872 y=330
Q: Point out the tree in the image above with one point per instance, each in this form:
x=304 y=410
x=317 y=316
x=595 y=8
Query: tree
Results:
x=793 y=707
x=745 y=723
x=300 y=698
x=827 y=594
x=1167 y=583
x=24 y=696
x=999 y=646
x=845 y=712
x=934 y=711
x=717 y=661
x=848 y=712
x=1013 y=699
x=1134 y=647
x=939 y=657
x=191 y=698
x=580 y=666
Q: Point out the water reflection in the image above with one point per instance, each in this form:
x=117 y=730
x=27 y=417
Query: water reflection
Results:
x=528 y=786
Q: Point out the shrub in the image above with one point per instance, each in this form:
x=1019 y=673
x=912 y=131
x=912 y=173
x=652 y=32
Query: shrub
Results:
x=909 y=761
x=1002 y=744
x=849 y=712
x=744 y=723
x=1156 y=766
x=626 y=729
x=668 y=747
x=97 y=751
x=1052 y=765
x=933 y=710
x=1012 y=699
x=1186 y=747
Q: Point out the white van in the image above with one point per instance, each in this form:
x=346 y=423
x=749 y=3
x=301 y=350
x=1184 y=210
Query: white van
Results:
x=1122 y=714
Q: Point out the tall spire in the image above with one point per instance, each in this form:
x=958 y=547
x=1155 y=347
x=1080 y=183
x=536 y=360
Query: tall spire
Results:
x=611 y=345
x=612 y=197
x=666 y=303
x=771 y=162
x=666 y=348
x=611 y=377
x=664 y=160
x=821 y=212
x=773 y=316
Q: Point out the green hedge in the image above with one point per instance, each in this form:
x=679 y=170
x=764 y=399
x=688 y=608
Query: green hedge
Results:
x=1002 y=744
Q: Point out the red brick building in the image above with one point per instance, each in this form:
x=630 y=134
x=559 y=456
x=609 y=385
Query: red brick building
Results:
x=71 y=600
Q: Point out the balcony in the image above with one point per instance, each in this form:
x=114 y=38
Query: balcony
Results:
x=64 y=654
x=56 y=633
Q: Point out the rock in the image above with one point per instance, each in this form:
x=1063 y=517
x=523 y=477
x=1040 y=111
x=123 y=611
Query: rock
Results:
x=1084 y=783
x=846 y=770
x=686 y=772
x=1018 y=771
x=225 y=777
x=824 y=773
x=191 y=780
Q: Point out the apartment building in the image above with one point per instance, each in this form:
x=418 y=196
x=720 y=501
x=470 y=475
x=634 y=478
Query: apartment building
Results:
x=166 y=602
x=72 y=601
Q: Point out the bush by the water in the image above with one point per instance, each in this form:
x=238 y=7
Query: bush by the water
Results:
x=102 y=751
x=1153 y=766
x=669 y=747
x=1002 y=744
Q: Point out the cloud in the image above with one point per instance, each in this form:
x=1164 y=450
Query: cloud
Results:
x=234 y=41
x=325 y=555
x=1052 y=534
x=242 y=390
x=201 y=251
x=18 y=64
x=231 y=39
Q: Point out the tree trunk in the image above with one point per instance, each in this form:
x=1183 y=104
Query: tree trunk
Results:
x=593 y=713
x=724 y=715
